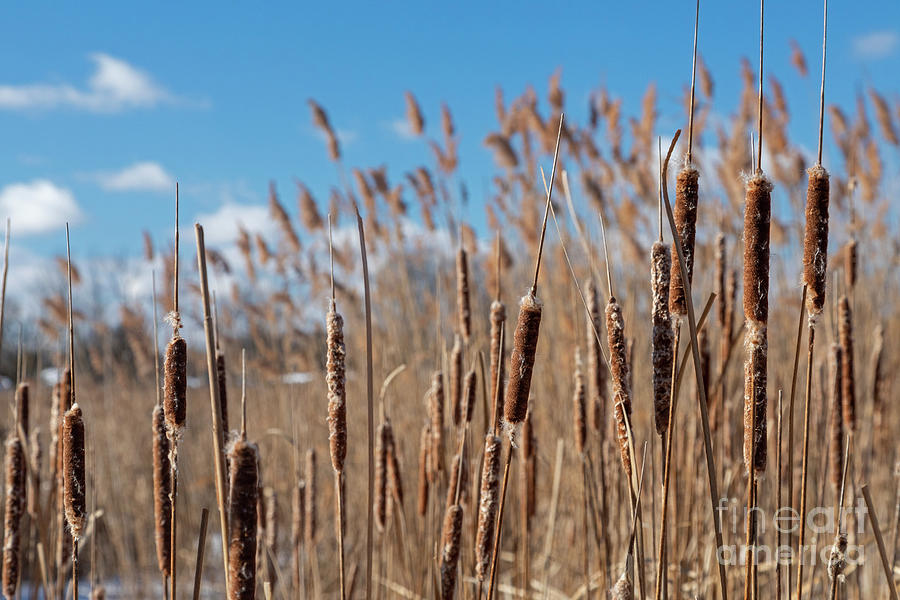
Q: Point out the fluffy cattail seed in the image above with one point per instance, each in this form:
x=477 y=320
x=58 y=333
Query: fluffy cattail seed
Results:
x=596 y=368
x=242 y=525
x=579 y=405
x=488 y=505
x=662 y=340
x=175 y=399
x=498 y=318
x=436 y=399
x=381 y=466
x=336 y=378
x=456 y=369
x=162 y=492
x=615 y=331
x=424 y=476
x=851 y=263
x=450 y=538
x=73 y=470
x=845 y=328
x=15 y=506
x=686 y=224
x=815 y=241
x=521 y=361
x=223 y=392
x=311 y=492
x=622 y=589
x=837 y=560
x=22 y=405
x=835 y=365
x=462 y=294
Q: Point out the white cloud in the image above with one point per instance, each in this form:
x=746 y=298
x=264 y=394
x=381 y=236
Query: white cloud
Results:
x=875 y=45
x=140 y=176
x=114 y=86
x=400 y=127
x=221 y=227
x=38 y=206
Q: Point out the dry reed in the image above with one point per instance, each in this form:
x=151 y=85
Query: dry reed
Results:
x=298 y=514
x=845 y=327
x=34 y=473
x=394 y=473
x=436 y=404
x=271 y=539
x=456 y=369
x=463 y=301
x=223 y=393
x=836 y=449
x=15 y=506
x=242 y=525
x=22 y=405
x=851 y=263
x=579 y=405
x=311 y=520
x=424 y=479
x=381 y=478
x=662 y=341
x=879 y=381
x=469 y=391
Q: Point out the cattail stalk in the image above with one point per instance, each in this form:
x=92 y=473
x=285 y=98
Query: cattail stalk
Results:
x=242 y=533
x=15 y=506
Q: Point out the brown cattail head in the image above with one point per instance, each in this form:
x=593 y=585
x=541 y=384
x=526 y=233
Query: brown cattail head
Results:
x=851 y=263
x=488 y=505
x=596 y=368
x=469 y=395
x=223 y=391
x=73 y=470
x=15 y=506
x=175 y=387
x=311 y=493
x=755 y=380
x=436 y=405
x=381 y=466
x=498 y=318
x=243 y=498
x=22 y=405
x=579 y=404
x=730 y=300
x=618 y=360
x=424 y=471
x=463 y=302
x=162 y=492
x=395 y=479
x=845 y=330
x=815 y=241
x=622 y=589
x=271 y=505
x=835 y=366
x=336 y=378
x=521 y=362
x=757 y=217
x=298 y=515
x=34 y=473
x=686 y=224
x=456 y=368
x=450 y=537
x=457 y=484
x=662 y=340
x=721 y=268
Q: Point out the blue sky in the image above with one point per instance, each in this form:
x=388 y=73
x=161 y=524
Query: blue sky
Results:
x=103 y=106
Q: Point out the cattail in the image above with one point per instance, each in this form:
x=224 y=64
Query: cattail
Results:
x=845 y=328
x=298 y=514
x=529 y=451
x=488 y=505
x=175 y=385
x=311 y=492
x=879 y=380
x=579 y=404
x=98 y=593
x=73 y=470
x=521 y=362
x=756 y=310
x=456 y=368
x=850 y=263
x=498 y=318
x=261 y=515
x=223 y=393
x=662 y=341
x=381 y=466
x=436 y=396
x=55 y=426
x=450 y=538
x=622 y=589
x=837 y=559
x=686 y=225
x=835 y=365
x=721 y=268
x=457 y=485
x=469 y=395
x=424 y=475
x=34 y=473
x=615 y=331
x=15 y=506
x=395 y=481
x=336 y=378
x=462 y=294
x=596 y=368
x=242 y=525
x=162 y=492
x=815 y=241
x=271 y=539
x=22 y=405
x=705 y=358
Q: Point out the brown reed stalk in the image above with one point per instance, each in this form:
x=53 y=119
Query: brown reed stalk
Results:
x=469 y=391
x=879 y=381
x=424 y=471
x=33 y=495
x=221 y=374
x=457 y=481
x=298 y=514
x=579 y=405
x=455 y=371
x=271 y=538
x=22 y=406
x=662 y=341
x=463 y=300
x=848 y=394
x=879 y=539
x=381 y=478
x=242 y=532
x=15 y=506
x=851 y=263
x=311 y=520
x=436 y=404
x=686 y=194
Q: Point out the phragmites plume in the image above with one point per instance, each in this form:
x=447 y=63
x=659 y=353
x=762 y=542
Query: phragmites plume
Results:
x=757 y=217
x=456 y=368
x=851 y=263
x=618 y=359
x=521 y=362
x=469 y=395
x=414 y=117
x=15 y=506
x=73 y=471
x=175 y=385
x=436 y=400
x=662 y=340
x=815 y=241
x=22 y=405
x=488 y=504
x=463 y=301
x=424 y=471
x=243 y=498
x=321 y=122
x=311 y=520
x=835 y=365
x=450 y=538
x=596 y=368
x=686 y=194
x=381 y=482
x=336 y=378
x=162 y=492
x=498 y=318
x=579 y=404
x=845 y=330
